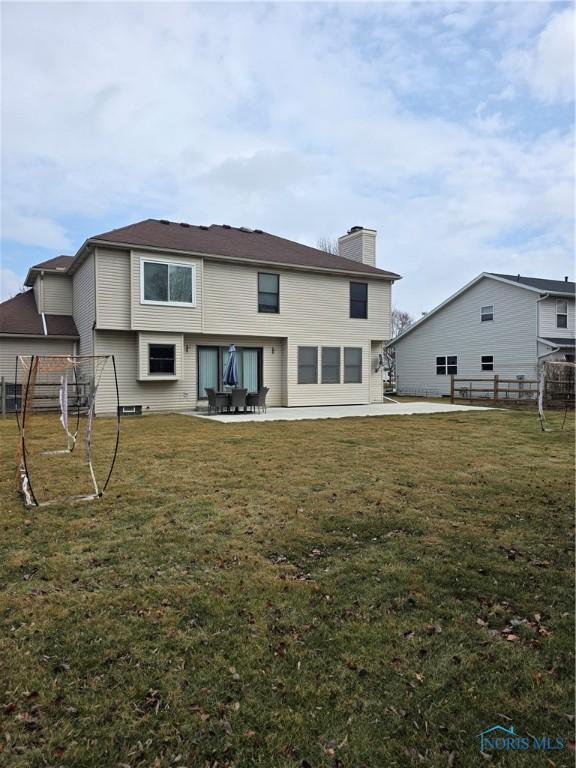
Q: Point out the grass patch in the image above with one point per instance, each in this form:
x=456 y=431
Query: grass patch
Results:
x=343 y=593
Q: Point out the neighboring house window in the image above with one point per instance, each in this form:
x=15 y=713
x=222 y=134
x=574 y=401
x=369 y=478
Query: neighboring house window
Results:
x=162 y=359
x=447 y=365
x=487 y=362
x=307 y=365
x=359 y=300
x=167 y=283
x=352 y=365
x=487 y=313
x=268 y=292
x=561 y=313
x=330 y=365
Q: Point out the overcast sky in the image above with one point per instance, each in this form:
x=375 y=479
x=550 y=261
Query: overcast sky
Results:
x=446 y=127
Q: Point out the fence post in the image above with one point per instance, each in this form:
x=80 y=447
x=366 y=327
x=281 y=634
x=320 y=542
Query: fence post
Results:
x=3 y=396
x=496 y=393
x=452 y=388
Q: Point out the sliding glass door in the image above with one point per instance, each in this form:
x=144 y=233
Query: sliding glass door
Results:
x=212 y=362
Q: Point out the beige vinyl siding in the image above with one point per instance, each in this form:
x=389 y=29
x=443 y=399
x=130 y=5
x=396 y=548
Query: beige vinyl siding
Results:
x=113 y=289
x=38 y=293
x=311 y=304
x=547 y=320
x=13 y=346
x=84 y=311
x=177 y=394
x=57 y=294
x=144 y=341
x=457 y=330
x=164 y=317
x=151 y=395
x=327 y=394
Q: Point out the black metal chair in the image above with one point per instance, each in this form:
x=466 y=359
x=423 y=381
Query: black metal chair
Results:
x=238 y=399
x=257 y=400
x=216 y=402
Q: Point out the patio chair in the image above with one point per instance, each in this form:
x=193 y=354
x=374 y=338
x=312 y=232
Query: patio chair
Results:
x=257 y=400
x=238 y=399
x=216 y=402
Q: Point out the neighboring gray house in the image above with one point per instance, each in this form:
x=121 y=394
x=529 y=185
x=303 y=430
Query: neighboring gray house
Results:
x=496 y=324
x=167 y=299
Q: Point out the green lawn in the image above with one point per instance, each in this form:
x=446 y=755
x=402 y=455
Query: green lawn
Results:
x=355 y=593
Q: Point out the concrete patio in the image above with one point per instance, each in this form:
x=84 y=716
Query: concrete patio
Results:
x=336 y=412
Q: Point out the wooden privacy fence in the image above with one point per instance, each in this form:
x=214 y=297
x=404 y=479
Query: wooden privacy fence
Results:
x=496 y=389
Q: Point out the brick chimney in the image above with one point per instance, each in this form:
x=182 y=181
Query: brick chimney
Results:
x=359 y=244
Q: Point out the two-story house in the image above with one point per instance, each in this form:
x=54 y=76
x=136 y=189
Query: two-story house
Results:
x=496 y=324
x=167 y=299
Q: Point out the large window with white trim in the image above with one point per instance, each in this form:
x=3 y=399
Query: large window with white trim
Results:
x=165 y=282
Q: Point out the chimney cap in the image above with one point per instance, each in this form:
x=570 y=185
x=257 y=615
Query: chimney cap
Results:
x=565 y=278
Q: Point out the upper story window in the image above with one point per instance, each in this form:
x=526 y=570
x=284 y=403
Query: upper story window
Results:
x=487 y=313
x=165 y=282
x=268 y=292
x=359 y=300
x=561 y=313
x=162 y=359
x=446 y=365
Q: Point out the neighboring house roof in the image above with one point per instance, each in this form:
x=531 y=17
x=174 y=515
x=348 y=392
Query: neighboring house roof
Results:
x=558 y=342
x=57 y=264
x=19 y=316
x=233 y=242
x=528 y=283
x=555 y=286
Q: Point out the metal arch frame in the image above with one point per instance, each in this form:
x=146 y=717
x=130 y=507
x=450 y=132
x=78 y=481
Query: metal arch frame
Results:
x=24 y=473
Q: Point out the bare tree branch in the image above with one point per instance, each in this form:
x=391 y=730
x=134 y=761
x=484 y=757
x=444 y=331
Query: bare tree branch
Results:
x=328 y=245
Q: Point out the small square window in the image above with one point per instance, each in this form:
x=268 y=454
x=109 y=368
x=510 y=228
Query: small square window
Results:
x=446 y=365
x=162 y=359
x=487 y=313
x=487 y=362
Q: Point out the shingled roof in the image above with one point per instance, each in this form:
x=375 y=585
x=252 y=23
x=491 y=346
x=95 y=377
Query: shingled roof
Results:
x=56 y=264
x=19 y=316
x=542 y=284
x=234 y=242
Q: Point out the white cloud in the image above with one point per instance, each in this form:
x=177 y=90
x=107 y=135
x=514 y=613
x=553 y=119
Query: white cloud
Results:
x=34 y=230
x=299 y=119
x=548 y=66
x=10 y=283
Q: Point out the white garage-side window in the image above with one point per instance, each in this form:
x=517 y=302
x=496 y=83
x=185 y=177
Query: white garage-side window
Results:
x=163 y=282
